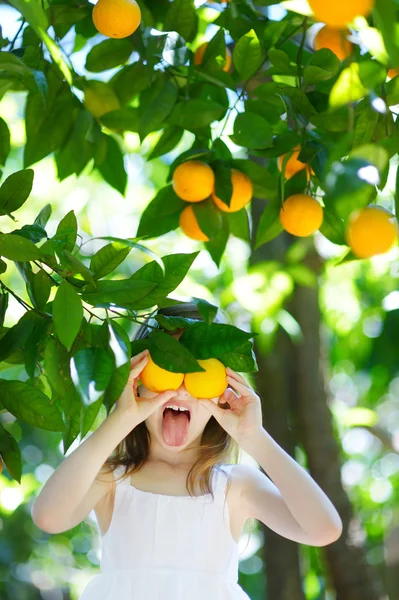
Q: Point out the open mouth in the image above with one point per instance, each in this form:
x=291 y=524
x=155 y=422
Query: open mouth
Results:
x=177 y=413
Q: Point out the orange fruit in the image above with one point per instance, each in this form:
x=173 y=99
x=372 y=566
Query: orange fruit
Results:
x=301 y=215
x=199 y=55
x=371 y=230
x=242 y=192
x=193 y=181
x=156 y=379
x=294 y=165
x=393 y=72
x=335 y=40
x=337 y=13
x=116 y=18
x=210 y=383
x=189 y=224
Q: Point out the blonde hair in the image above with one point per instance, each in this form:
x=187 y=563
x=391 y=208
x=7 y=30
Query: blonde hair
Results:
x=217 y=446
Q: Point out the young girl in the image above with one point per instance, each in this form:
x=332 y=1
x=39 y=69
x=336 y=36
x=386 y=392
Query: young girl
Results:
x=158 y=542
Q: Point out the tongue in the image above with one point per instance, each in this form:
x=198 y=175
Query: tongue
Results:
x=174 y=428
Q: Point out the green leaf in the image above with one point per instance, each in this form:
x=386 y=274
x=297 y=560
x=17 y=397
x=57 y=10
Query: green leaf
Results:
x=67 y=314
x=162 y=214
x=175 y=51
x=32 y=347
x=223 y=185
x=333 y=227
x=242 y=359
x=67 y=230
x=124 y=119
x=385 y=19
x=108 y=54
x=105 y=260
x=176 y=268
x=217 y=245
x=182 y=17
x=205 y=340
x=207 y=310
x=195 y=114
x=3 y=306
x=252 y=131
x=158 y=109
x=169 y=139
x=121 y=292
x=347 y=185
x=78 y=149
x=269 y=223
x=4 y=141
x=47 y=130
x=10 y=454
x=247 y=54
x=69 y=262
x=112 y=166
x=130 y=81
x=17 y=335
x=239 y=224
x=91 y=371
x=119 y=343
x=173 y=323
x=214 y=57
x=169 y=354
x=16 y=247
x=41 y=289
x=43 y=216
x=348 y=87
x=30 y=405
x=209 y=217
x=15 y=190
x=322 y=66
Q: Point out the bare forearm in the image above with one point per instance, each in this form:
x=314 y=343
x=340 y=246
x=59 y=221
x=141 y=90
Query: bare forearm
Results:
x=306 y=501
x=69 y=483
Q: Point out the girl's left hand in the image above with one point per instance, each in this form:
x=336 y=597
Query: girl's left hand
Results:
x=244 y=417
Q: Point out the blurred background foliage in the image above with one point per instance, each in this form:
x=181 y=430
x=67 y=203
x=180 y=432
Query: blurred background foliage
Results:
x=359 y=328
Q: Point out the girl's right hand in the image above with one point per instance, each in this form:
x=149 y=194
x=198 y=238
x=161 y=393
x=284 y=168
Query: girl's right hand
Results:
x=133 y=406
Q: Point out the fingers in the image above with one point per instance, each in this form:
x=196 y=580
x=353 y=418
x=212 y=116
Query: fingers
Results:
x=243 y=389
x=236 y=376
x=137 y=358
x=138 y=367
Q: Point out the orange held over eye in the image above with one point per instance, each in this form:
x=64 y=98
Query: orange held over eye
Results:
x=301 y=215
x=189 y=224
x=199 y=55
x=335 y=40
x=210 y=383
x=337 y=13
x=116 y=18
x=242 y=192
x=156 y=379
x=371 y=230
x=193 y=181
x=293 y=165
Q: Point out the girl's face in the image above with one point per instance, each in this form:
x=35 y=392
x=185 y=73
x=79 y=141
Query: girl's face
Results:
x=199 y=417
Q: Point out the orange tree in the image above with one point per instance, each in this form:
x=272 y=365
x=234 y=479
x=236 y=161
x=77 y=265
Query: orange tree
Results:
x=303 y=124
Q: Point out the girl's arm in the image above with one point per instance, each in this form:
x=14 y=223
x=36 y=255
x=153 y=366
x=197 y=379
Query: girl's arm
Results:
x=72 y=491
x=295 y=507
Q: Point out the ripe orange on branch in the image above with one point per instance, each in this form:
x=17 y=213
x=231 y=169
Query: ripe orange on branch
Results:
x=116 y=18
x=337 y=13
x=193 y=180
x=335 y=40
x=293 y=165
x=189 y=224
x=371 y=230
x=301 y=215
x=242 y=192
x=199 y=55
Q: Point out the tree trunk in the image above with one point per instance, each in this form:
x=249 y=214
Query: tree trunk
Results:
x=351 y=575
x=291 y=384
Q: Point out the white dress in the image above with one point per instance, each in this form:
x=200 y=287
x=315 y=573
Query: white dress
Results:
x=162 y=547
